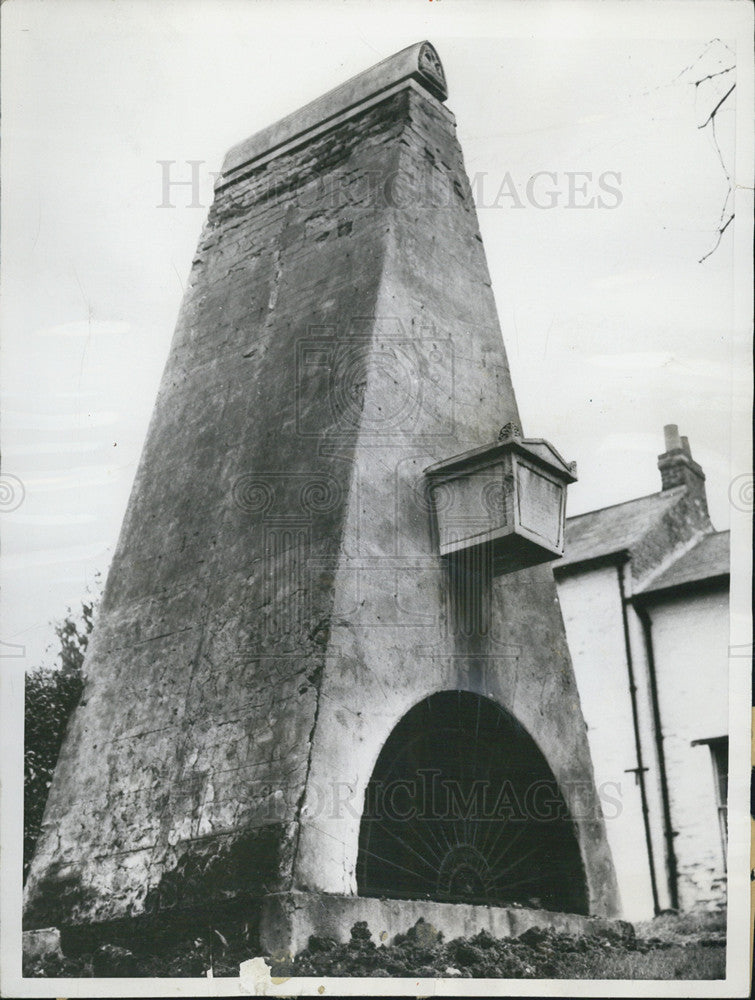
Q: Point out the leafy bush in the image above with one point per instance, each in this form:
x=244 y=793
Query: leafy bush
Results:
x=51 y=694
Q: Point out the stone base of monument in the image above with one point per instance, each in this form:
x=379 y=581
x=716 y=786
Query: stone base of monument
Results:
x=284 y=922
x=288 y=919
x=41 y=943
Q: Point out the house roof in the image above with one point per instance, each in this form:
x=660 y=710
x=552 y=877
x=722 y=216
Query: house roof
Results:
x=704 y=561
x=614 y=529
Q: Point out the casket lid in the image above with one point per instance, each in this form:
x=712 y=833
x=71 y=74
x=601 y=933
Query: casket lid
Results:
x=541 y=451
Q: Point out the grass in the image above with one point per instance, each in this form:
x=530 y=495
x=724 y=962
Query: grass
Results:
x=678 y=962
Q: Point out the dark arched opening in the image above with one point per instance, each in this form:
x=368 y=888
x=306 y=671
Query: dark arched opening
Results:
x=463 y=807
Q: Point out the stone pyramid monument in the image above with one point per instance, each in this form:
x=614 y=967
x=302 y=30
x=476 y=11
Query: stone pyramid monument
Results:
x=329 y=680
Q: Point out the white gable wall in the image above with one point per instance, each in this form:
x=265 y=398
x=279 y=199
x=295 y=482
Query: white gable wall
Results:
x=690 y=635
x=591 y=607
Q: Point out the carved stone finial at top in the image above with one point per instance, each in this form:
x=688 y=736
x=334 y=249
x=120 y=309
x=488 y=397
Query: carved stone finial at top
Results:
x=430 y=66
x=509 y=431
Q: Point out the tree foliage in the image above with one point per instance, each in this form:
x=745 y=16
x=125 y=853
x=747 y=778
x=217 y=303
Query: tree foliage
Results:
x=51 y=695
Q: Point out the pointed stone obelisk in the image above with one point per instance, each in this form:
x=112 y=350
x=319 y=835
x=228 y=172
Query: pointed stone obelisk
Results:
x=279 y=628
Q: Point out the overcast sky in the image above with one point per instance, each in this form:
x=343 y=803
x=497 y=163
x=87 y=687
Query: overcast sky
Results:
x=612 y=326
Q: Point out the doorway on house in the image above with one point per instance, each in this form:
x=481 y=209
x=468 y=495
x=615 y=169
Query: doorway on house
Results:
x=462 y=807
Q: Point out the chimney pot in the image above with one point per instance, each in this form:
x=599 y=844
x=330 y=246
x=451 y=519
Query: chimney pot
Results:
x=678 y=467
x=671 y=434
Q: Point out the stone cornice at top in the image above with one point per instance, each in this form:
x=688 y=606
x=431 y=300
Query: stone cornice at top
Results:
x=418 y=64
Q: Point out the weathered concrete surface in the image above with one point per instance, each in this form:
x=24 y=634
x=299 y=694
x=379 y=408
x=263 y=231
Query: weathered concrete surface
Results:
x=391 y=642
x=276 y=602
x=41 y=943
x=288 y=919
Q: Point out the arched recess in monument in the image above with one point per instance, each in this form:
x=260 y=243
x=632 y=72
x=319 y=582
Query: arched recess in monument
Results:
x=463 y=807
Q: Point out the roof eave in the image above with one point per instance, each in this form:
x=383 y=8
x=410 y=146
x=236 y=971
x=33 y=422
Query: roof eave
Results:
x=703 y=584
x=616 y=558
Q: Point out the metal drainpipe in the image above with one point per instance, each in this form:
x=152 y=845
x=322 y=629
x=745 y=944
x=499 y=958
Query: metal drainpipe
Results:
x=640 y=770
x=668 y=832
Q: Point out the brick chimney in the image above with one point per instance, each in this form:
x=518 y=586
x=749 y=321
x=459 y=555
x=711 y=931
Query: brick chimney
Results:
x=678 y=468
